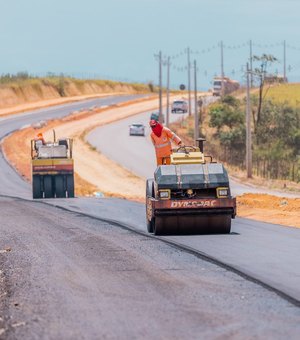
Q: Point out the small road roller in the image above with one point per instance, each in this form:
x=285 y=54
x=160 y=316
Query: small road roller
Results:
x=52 y=168
x=189 y=196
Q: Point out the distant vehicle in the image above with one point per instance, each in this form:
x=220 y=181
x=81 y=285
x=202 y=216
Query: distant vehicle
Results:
x=273 y=79
x=228 y=84
x=52 y=168
x=179 y=106
x=137 y=129
x=155 y=116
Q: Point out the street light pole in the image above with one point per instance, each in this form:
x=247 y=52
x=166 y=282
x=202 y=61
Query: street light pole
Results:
x=250 y=60
x=196 y=132
x=222 y=69
x=160 y=88
x=168 y=92
x=284 y=61
x=189 y=79
x=248 y=128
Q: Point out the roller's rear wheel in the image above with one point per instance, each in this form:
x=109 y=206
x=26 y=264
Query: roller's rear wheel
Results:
x=70 y=185
x=36 y=187
x=150 y=220
x=48 y=188
x=59 y=187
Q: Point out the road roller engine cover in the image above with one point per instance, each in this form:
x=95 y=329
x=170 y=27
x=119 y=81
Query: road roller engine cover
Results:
x=52 y=168
x=192 y=195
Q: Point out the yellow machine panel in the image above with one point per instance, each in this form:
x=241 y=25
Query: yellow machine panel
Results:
x=193 y=157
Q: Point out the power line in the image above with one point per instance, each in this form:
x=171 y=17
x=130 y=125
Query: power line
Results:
x=180 y=66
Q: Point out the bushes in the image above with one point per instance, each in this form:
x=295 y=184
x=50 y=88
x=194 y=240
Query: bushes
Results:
x=277 y=146
x=276 y=142
x=229 y=121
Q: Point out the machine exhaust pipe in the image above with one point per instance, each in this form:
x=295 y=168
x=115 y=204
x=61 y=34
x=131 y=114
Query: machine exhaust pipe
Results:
x=200 y=142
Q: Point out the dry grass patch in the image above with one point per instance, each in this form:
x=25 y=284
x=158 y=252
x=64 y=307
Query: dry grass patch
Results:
x=285 y=93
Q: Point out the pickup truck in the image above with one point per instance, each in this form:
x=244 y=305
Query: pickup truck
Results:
x=179 y=106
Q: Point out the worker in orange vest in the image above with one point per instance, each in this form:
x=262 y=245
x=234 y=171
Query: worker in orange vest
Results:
x=40 y=137
x=162 y=139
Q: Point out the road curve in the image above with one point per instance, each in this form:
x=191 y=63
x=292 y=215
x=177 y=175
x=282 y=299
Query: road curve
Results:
x=54 y=273
x=10 y=181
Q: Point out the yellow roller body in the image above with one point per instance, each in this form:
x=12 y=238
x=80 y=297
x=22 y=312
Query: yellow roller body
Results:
x=193 y=157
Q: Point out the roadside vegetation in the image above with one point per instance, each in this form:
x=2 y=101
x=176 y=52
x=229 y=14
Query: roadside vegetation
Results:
x=61 y=83
x=275 y=136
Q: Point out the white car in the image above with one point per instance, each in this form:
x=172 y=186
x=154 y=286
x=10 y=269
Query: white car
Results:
x=179 y=106
x=137 y=129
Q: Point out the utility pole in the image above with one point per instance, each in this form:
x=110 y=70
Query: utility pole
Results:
x=250 y=60
x=160 y=88
x=189 y=79
x=284 y=61
x=248 y=128
x=168 y=92
x=196 y=132
x=222 y=69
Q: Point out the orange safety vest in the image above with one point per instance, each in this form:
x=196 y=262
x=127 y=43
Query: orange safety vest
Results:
x=162 y=144
x=41 y=138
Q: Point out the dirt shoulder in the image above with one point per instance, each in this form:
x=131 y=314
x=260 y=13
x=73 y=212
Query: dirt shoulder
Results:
x=96 y=173
x=268 y=208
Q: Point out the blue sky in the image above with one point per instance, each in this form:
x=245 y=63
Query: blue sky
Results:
x=117 y=39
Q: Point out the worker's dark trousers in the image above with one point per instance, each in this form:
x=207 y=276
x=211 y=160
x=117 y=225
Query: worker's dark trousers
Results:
x=163 y=160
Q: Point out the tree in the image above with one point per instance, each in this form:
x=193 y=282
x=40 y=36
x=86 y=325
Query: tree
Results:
x=151 y=86
x=227 y=113
x=229 y=120
x=278 y=145
x=61 y=85
x=266 y=60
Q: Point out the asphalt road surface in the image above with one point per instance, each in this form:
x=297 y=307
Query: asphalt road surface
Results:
x=85 y=268
x=68 y=276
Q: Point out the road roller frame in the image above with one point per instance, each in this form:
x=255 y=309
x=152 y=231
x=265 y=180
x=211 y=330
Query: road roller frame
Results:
x=52 y=168
x=190 y=196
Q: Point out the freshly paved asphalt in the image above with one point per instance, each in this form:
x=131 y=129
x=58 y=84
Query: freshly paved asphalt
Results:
x=68 y=276
x=58 y=262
